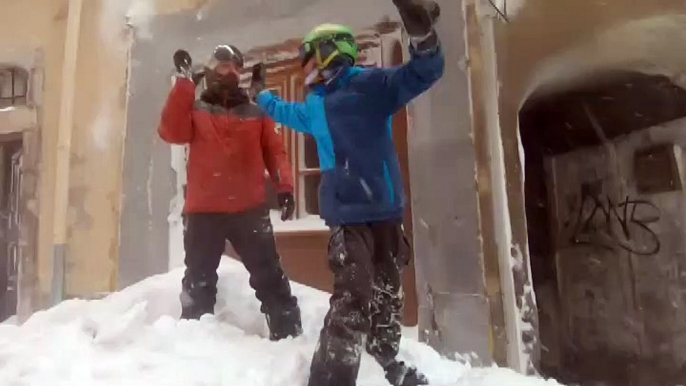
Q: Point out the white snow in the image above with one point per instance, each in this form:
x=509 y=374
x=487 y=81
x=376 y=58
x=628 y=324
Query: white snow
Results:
x=176 y=248
x=134 y=337
x=118 y=22
x=309 y=223
x=139 y=15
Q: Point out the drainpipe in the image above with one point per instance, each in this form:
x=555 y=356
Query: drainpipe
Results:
x=64 y=132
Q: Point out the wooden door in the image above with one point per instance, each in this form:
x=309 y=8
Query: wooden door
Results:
x=10 y=251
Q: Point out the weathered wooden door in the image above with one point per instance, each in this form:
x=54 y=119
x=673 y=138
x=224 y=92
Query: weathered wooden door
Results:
x=619 y=251
x=10 y=250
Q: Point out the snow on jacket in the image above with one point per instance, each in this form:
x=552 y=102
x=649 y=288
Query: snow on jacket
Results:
x=229 y=152
x=350 y=119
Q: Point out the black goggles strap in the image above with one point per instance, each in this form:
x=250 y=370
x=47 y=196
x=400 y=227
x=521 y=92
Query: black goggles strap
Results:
x=306 y=53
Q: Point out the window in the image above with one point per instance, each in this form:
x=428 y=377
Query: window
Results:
x=310 y=175
x=270 y=189
x=13 y=87
x=306 y=163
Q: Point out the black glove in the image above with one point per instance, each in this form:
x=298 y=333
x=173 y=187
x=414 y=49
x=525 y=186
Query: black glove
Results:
x=182 y=61
x=287 y=204
x=419 y=18
x=197 y=77
x=258 y=82
x=183 y=64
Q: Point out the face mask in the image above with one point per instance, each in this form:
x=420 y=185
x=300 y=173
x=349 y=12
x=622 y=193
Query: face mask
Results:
x=224 y=91
x=312 y=77
x=227 y=82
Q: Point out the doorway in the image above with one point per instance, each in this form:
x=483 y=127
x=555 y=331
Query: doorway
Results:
x=11 y=156
x=605 y=206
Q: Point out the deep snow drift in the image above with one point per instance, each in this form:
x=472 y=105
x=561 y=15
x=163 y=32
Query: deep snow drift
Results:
x=134 y=337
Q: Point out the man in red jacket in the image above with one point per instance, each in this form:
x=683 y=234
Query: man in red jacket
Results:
x=232 y=143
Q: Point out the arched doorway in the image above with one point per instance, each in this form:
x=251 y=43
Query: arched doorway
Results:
x=606 y=209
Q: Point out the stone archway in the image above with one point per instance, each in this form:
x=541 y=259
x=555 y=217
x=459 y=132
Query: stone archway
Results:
x=641 y=46
x=603 y=193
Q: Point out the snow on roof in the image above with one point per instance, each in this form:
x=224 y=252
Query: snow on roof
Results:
x=134 y=338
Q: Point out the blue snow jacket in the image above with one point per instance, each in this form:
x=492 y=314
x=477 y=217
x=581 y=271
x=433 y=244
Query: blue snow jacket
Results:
x=350 y=119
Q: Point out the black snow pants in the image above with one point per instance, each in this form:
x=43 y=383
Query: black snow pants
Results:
x=367 y=301
x=251 y=235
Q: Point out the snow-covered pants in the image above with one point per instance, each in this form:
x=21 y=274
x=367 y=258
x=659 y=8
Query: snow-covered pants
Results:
x=250 y=234
x=367 y=301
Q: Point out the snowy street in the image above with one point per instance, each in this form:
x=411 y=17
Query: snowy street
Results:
x=134 y=338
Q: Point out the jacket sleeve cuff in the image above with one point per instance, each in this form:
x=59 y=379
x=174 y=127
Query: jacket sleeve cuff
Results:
x=263 y=98
x=186 y=85
x=284 y=188
x=426 y=45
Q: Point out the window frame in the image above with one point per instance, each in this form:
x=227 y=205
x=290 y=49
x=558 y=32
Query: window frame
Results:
x=15 y=74
x=288 y=83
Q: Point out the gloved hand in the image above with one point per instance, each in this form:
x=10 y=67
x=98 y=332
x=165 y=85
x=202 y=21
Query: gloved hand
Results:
x=258 y=82
x=419 y=18
x=183 y=64
x=197 y=77
x=287 y=204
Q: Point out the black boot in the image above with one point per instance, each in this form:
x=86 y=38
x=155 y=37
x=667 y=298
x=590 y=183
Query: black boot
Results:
x=399 y=374
x=284 y=323
x=194 y=307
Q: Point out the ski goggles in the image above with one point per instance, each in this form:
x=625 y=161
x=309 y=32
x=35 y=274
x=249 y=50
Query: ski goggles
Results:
x=324 y=49
x=224 y=55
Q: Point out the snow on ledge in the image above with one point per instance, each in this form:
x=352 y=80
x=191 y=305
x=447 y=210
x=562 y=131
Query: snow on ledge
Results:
x=17 y=118
x=306 y=224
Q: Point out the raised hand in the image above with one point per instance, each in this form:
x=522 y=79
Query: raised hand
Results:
x=182 y=61
x=418 y=16
x=258 y=82
x=184 y=66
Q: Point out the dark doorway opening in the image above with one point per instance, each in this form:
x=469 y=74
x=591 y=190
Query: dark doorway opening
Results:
x=11 y=152
x=610 y=304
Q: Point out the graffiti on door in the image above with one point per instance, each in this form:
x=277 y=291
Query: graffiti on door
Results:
x=623 y=225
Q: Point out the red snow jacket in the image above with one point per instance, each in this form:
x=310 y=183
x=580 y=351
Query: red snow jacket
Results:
x=229 y=152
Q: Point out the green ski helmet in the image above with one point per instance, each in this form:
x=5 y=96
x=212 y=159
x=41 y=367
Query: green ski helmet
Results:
x=329 y=44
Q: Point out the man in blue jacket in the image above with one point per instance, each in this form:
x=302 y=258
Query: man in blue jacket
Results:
x=348 y=111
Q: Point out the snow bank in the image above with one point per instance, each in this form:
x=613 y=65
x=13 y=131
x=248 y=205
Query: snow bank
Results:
x=134 y=337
